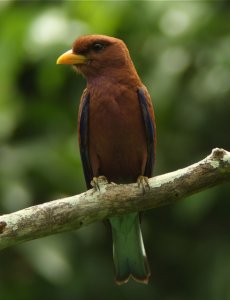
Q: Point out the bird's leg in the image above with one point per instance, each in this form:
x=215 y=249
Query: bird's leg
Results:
x=143 y=183
x=97 y=181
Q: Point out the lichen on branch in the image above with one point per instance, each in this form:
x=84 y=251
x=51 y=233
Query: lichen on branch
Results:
x=80 y=210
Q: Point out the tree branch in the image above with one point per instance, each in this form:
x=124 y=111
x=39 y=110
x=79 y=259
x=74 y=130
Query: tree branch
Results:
x=77 y=211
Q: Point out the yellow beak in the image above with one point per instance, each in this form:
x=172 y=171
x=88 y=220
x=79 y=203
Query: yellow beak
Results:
x=70 y=58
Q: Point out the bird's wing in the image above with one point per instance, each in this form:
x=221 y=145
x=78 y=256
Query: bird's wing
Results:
x=83 y=137
x=150 y=128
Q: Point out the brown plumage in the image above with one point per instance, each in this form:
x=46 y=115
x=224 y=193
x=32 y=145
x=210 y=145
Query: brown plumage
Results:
x=116 y=135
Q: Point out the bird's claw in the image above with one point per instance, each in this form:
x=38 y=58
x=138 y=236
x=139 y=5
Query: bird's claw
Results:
x=143 y=183
x=97 y=181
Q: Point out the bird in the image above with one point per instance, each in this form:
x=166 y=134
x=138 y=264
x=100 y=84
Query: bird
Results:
x=117 y=137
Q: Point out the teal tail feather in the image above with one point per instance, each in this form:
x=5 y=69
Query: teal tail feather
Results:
x=128 y=249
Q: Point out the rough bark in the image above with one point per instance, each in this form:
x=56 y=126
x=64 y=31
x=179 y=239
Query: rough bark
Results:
x=77 y=211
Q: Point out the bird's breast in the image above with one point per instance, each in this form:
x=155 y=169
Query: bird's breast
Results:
x=117 y=140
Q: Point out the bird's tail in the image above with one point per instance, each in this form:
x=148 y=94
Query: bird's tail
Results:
x=128 y=249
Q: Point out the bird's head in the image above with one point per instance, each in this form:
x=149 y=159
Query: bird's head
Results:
x=95 y=55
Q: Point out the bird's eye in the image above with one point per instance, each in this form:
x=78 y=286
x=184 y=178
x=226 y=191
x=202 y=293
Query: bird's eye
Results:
x=97 y=47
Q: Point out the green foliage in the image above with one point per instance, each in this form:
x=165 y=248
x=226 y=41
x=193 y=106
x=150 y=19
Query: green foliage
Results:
x=181 y=51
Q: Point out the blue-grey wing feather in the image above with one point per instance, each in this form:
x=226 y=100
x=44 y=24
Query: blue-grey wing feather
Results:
x=150 y=132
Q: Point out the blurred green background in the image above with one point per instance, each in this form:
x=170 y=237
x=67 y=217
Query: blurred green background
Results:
x=182 y=53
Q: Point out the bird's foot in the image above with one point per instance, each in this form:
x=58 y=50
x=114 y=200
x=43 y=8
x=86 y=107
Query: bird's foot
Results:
x=143 y=183
x=96 y=182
